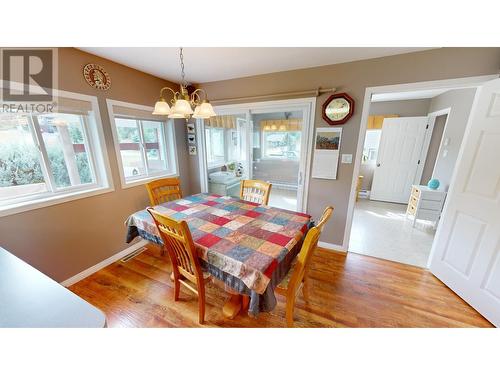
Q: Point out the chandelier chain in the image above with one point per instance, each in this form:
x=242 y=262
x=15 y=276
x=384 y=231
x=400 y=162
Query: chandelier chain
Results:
x=183 y=75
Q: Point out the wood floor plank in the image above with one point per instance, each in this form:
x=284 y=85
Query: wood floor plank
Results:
x=345 y=291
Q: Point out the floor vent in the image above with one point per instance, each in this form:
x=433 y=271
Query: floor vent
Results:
x=132 y=254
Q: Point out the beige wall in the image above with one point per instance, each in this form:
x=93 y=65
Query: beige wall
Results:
x=354 y=78
x=64 y=239
x=403 y=108
x=460 y=102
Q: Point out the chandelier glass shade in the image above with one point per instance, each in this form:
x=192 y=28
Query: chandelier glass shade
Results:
x=181 y=105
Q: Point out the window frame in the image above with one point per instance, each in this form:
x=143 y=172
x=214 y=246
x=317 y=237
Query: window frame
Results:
x=97 y=156
x=169 y=142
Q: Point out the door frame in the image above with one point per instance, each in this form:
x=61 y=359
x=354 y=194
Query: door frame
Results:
x=307 y=105
x=432 y=120
x=454 y=83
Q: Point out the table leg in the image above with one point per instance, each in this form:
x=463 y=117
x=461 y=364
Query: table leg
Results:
x=232 y=307
x=235 y=304
x=245 y=301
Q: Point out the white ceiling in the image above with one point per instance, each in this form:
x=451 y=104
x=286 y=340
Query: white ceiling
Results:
x=206 y=64
x=407 y=95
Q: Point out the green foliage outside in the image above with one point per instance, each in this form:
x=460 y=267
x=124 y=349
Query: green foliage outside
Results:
x=19 y=165
x=127 y=134
x=75 y=134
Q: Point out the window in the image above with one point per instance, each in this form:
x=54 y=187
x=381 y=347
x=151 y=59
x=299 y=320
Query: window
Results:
x=370 y=148
x=216 y=145
x=224 y=142
x=281 y=145
x=144 y=143
x=47 y=156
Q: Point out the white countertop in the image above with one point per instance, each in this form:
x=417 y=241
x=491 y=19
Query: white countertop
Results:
x=28 y=298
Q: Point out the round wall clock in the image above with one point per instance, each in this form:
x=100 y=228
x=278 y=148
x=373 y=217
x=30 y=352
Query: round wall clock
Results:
x=96 y=76
x=338 y=108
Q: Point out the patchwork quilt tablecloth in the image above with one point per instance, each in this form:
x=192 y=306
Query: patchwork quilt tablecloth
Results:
x=246 y=245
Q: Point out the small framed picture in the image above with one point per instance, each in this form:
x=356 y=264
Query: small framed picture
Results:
x=190 y=128
x=192 y=138
x=192 y=150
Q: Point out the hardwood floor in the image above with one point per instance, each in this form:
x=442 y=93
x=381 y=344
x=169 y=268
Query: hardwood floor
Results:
x=345 y=291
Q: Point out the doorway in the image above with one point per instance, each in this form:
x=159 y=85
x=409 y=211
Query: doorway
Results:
x=266 y=141
x=395 y=214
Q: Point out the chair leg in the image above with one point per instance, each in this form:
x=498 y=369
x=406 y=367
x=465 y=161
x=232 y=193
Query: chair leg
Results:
x=290 y=305
x=201 y=306
x=177 y=287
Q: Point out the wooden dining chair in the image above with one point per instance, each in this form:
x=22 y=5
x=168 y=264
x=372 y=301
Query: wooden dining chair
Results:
x=255 y=191
x=304 y=279
x=327 y=213
x=164 y=190
x=177 y=239
x=293 y=281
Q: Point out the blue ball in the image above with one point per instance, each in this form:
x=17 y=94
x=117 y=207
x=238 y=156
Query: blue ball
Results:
x=433 y=184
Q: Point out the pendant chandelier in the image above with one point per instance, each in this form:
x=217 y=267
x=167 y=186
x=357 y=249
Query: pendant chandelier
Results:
x=183 y=103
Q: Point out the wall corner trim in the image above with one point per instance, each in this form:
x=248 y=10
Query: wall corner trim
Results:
x=332 y=246
x=106 y=262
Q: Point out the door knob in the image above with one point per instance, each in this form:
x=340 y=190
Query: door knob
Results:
x=378 y=164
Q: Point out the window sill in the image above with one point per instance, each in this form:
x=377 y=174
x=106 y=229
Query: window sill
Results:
x=51 y=201
x=145 y=180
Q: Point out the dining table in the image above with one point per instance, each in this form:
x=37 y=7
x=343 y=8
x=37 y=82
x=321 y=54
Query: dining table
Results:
x=248 y=246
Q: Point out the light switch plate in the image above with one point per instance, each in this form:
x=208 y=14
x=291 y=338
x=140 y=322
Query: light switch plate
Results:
x=346 y=158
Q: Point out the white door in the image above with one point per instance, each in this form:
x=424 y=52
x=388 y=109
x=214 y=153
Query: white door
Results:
x=398 y=159
x=466 y=251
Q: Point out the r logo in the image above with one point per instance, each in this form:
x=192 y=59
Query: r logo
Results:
x=33 y=69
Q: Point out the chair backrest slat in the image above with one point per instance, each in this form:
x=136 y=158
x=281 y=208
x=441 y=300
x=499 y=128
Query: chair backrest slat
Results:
x=177 y=239
x=255 y=191
x=164 y=190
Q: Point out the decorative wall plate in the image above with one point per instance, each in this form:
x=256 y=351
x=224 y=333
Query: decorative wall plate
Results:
x=338 y=108
x=96 y=76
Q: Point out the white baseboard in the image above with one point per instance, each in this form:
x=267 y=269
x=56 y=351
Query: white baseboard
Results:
x=331 y=246
x=106 y=262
